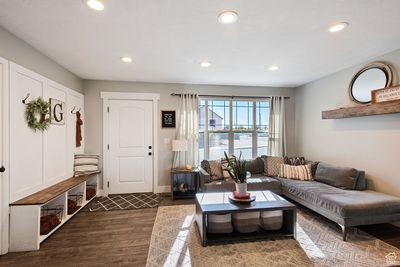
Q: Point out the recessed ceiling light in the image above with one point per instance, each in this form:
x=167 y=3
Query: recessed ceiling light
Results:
x=126 y=59
x=205 y=64
x=274 y=67
x=227 y=17
x=95 y=4
x=338 y=27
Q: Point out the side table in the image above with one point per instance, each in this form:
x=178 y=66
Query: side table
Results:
x=184 y=183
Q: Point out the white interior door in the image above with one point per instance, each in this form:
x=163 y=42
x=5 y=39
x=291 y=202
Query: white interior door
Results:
x=130 y=146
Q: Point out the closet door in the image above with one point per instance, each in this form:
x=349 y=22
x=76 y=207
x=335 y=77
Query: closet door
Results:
x=26 y=153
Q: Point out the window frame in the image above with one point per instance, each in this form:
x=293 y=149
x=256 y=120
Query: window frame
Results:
x=231 y=131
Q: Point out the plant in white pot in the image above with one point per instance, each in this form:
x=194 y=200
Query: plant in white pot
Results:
x=236 y=167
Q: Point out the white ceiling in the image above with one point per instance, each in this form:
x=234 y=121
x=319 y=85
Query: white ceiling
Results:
x=168 y=38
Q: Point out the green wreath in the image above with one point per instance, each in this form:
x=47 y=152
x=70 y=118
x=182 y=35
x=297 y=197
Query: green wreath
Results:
x=35 y=114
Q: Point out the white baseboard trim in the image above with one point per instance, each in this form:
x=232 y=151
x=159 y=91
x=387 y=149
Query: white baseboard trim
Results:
x=164 y=189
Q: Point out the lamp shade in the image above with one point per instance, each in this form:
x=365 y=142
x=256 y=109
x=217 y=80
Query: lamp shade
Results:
x=179 y=145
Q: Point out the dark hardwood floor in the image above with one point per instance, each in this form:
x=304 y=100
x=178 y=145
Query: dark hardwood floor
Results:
x=118 y=238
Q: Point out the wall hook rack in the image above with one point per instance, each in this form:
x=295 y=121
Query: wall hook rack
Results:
x=72 y=111
x=24 y=100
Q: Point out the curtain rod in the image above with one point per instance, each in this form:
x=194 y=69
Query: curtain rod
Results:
x=232 y=96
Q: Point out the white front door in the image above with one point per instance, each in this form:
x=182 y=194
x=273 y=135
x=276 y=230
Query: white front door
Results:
x=130 y=146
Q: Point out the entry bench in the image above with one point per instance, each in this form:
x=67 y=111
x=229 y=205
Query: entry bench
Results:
x=50 y=203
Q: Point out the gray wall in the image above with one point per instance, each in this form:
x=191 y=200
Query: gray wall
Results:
x=368 y=143
x=93 y=111
x=14 y=49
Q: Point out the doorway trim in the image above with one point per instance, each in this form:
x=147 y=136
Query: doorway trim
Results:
x=107 y=96
x=5 y=150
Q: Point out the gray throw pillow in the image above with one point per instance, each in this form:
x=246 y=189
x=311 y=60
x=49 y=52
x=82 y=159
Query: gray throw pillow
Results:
x=255 y=166
x=341 y=177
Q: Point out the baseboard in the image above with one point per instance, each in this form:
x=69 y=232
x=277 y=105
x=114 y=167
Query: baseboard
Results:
x=164 y=189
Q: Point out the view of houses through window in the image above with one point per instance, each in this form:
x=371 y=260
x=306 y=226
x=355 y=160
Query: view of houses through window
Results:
x=233 y=126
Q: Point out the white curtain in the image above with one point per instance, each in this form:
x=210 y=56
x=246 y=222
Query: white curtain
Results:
x=188 y=129
x=277 y=127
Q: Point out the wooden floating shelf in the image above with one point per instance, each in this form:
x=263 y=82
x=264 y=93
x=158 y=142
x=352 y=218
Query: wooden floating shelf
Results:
x=365 y=110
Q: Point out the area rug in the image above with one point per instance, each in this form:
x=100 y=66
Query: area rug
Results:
x=124 y=202
x=175 y=241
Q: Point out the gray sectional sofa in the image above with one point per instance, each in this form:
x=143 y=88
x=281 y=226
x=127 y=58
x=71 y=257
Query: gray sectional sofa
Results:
x=339 y=194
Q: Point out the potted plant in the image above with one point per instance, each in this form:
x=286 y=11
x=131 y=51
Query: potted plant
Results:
x=236 y=167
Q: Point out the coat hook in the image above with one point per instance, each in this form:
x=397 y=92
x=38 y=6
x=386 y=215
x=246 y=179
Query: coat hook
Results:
x=24 y=100
x=78 y=110
x=72 y=111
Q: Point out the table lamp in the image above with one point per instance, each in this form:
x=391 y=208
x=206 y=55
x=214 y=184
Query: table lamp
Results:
x=179 y=145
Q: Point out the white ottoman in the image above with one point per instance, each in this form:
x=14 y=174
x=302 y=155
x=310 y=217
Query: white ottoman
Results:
x=271 y=220
x=246 y=222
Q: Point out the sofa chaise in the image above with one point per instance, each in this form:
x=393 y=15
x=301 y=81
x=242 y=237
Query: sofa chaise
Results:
x=337 y=193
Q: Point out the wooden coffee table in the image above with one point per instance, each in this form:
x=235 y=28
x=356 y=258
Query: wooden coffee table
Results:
x=218 y=203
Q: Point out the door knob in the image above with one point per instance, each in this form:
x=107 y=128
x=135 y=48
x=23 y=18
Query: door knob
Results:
x=150 y=147
x=150 y=153
x=2 y=169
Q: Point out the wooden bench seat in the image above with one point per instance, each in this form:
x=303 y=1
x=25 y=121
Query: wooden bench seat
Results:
x=26 y=213
x=52 y=192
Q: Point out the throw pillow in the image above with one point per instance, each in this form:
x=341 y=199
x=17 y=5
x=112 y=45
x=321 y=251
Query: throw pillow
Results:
x=341 y=177
x=216 y=170
x=264 y=159
x=255 y=166
x=300 y=172
x=272 y=165
x=224 y=164
x=205 y=165
x=86 y=164
x=314 y=165
x=295 y=161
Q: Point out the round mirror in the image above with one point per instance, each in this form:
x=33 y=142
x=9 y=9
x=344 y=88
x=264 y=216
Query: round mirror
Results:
x=373 y=76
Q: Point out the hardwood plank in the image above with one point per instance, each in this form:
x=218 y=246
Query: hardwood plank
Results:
x=119 y=238
x=365 y=110
x=49 y=193
x=113 y=238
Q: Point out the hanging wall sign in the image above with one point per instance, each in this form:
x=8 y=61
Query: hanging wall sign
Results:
x=386 y=94
x=57 y=111
x=168 y=119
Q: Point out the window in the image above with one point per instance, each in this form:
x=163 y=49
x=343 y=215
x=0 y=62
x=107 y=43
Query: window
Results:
x=233 y=126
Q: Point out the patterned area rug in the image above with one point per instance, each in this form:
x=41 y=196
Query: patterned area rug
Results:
x=175 y=241
x=124 y=202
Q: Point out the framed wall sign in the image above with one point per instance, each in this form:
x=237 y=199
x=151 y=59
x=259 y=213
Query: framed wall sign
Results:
x=57 y=109
x=168 y=119
x=386 y=94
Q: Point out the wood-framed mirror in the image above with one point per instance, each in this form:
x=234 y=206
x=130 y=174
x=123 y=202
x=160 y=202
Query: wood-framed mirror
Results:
x=373 y=76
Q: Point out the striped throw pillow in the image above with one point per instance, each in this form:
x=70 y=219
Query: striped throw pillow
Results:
x=301 y=172
x=86 y=164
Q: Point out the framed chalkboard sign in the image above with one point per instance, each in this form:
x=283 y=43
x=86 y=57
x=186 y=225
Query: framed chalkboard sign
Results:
x=168 y=119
